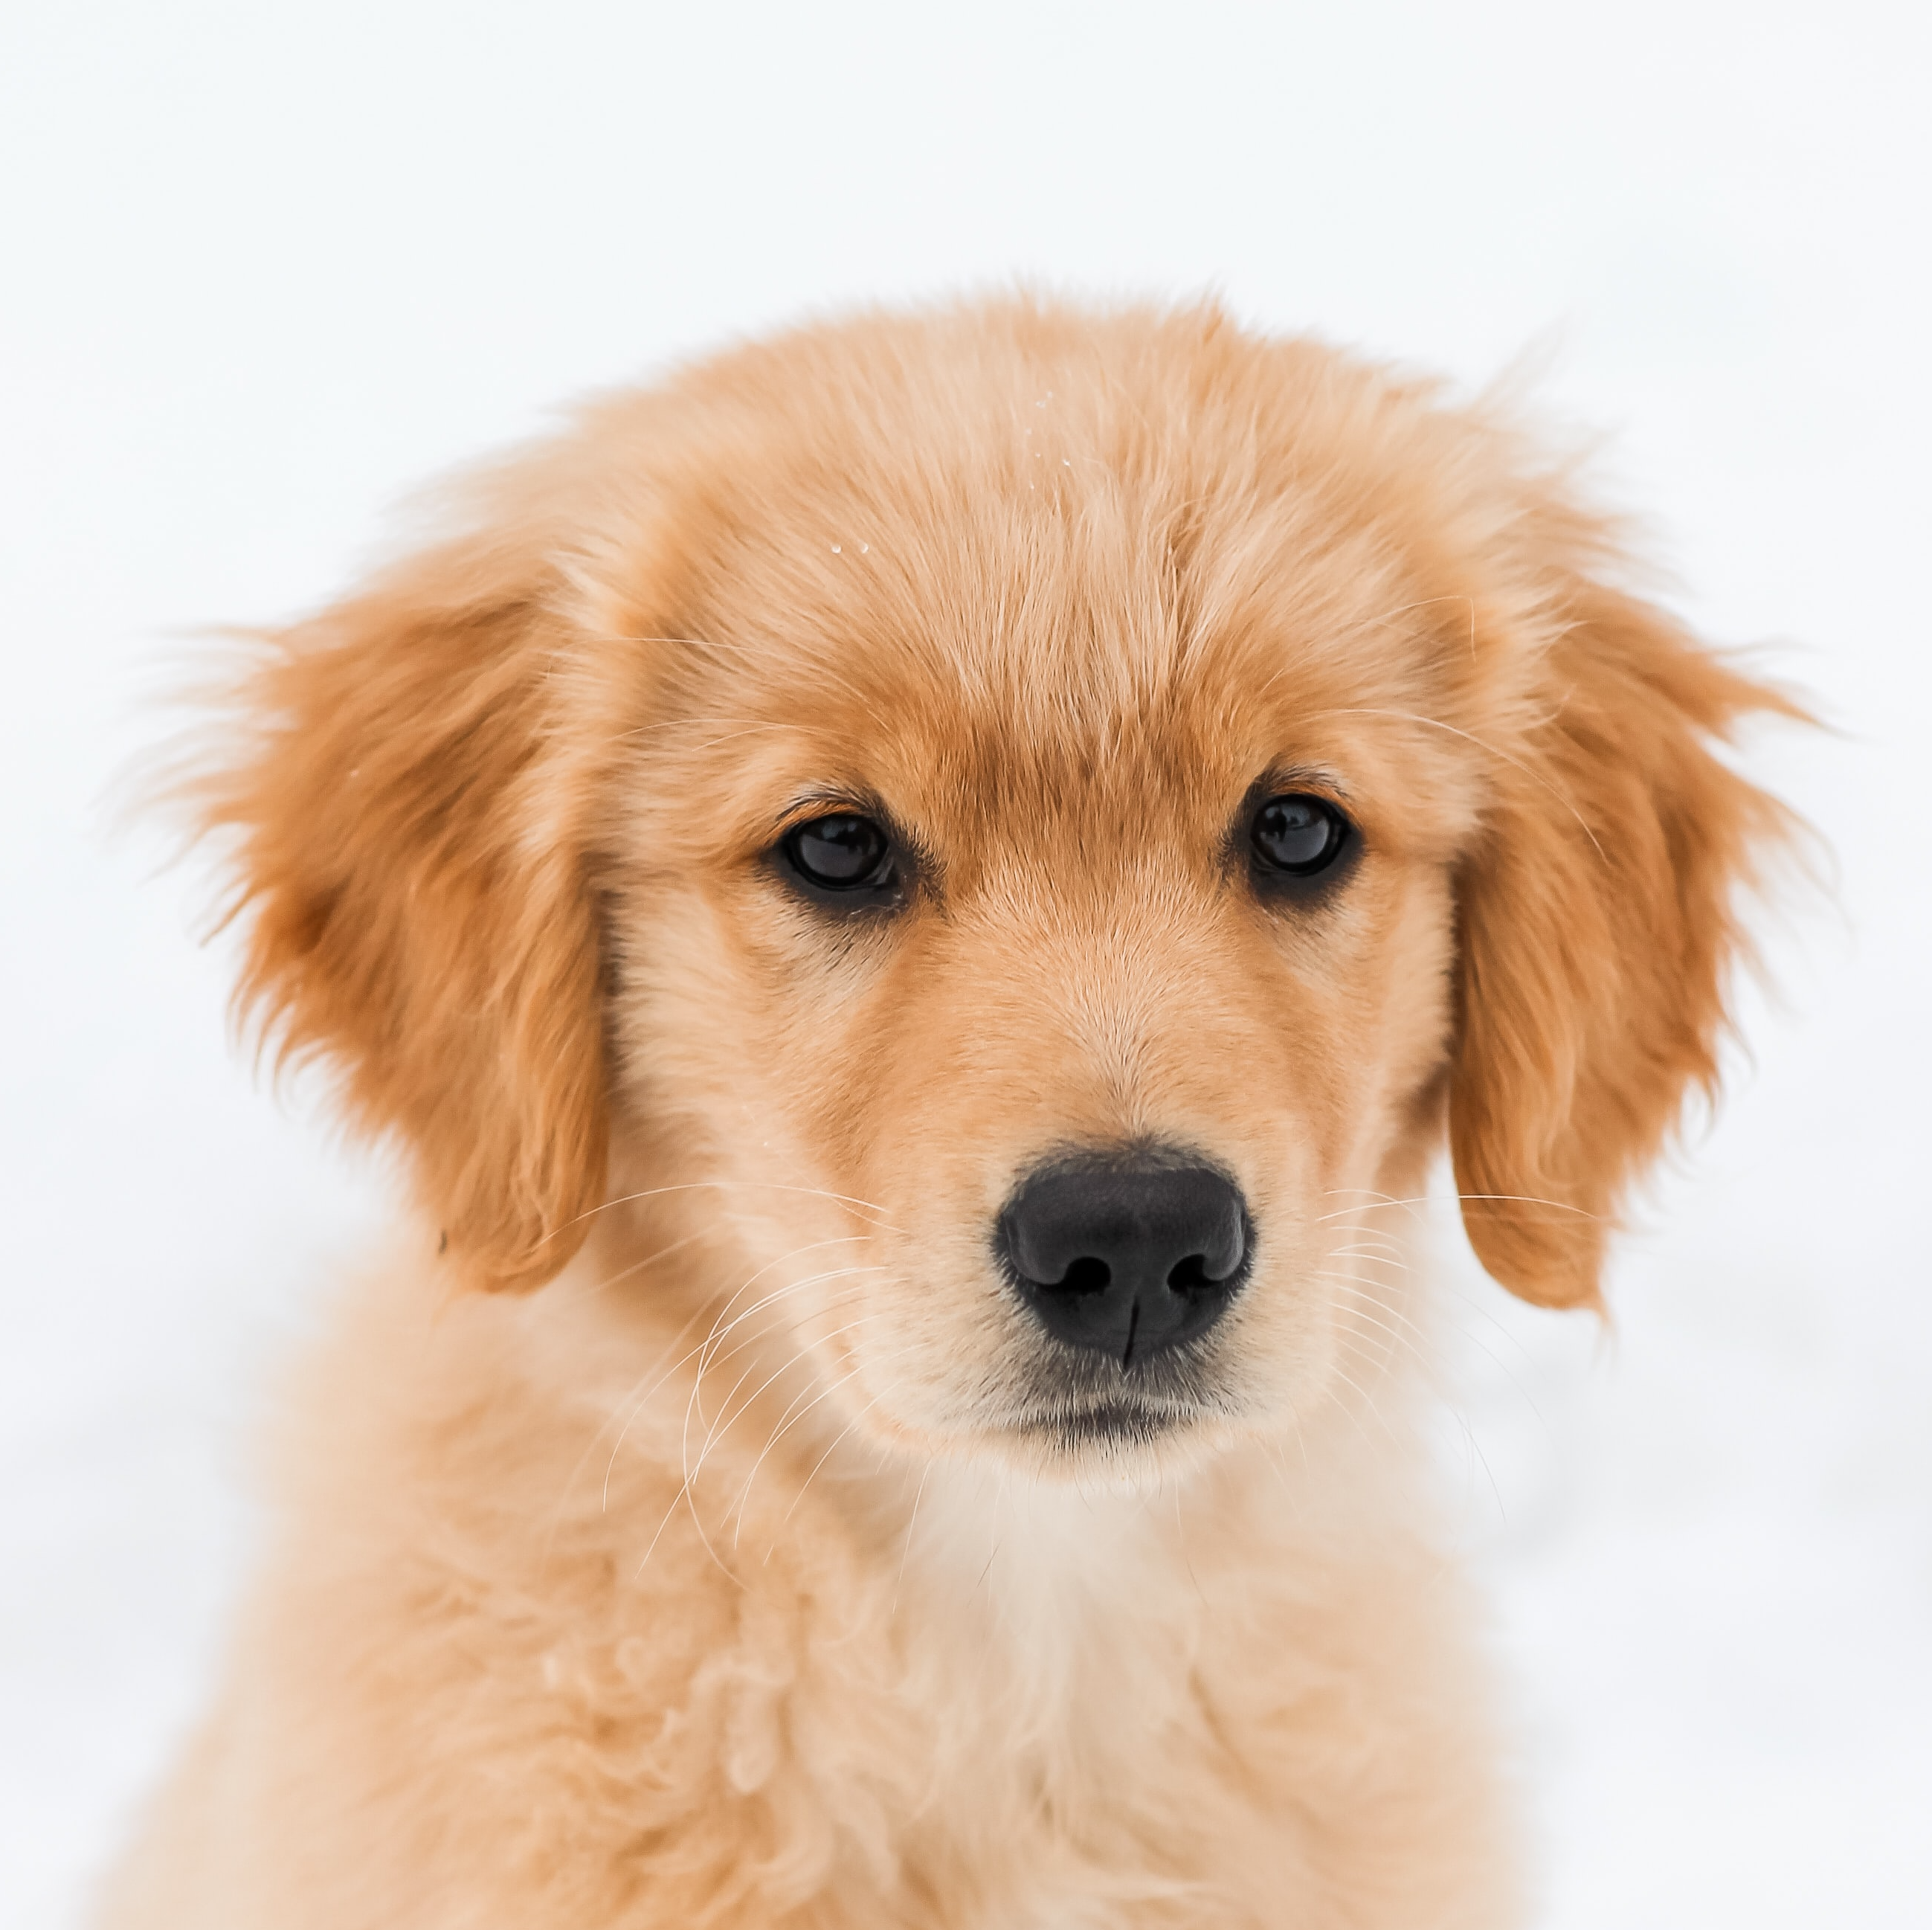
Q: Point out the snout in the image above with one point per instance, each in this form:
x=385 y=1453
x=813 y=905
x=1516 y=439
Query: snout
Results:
x=1126 y=1257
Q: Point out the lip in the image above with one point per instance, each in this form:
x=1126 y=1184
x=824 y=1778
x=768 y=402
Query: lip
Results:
x=1130 y=1422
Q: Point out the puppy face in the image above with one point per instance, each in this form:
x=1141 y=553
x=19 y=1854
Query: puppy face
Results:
x=1060 y=885
x=1046 y=816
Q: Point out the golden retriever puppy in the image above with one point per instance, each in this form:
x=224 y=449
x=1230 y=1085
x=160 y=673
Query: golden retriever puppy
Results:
x=918 y=899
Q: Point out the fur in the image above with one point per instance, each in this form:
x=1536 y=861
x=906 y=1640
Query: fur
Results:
x=758 y=1570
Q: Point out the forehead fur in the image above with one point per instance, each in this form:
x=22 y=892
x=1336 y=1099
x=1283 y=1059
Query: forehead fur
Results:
x=1026 y=553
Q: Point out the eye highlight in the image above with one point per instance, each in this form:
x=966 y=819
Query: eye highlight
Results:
x=1296 y=837
x=844 y=859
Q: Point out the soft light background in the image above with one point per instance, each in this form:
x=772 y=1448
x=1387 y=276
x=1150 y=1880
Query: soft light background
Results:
x=265 y=266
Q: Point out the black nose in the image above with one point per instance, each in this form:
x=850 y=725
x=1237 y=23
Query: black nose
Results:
x=1126 y=1257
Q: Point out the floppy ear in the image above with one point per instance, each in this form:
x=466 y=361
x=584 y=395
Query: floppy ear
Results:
x=412 y=839
x=1598 y=925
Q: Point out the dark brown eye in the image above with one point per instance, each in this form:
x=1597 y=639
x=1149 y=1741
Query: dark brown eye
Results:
x=1298 y=836
x=845 y=855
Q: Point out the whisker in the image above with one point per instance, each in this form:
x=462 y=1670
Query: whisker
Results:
x=1409 y=1336
x=905 y=1550
x=741 y=727
x=721 y=1326
x=1501 y=1366
x=1368 y=1253
x=633 y=1402
x=563 y=1292
x=725 y=1186
x=718 y=1357
x=1469 y=736
x=1382 y=1202
x=763 y=1303
x=800 y=1354
x=897 y=1353
x=1355 y=1306
x=727 y=1419
x=772 y=1549
x=708 y=1357
x=782 y=1427
x=686 y=1495
x=691 y=1353
x=1374 y=1407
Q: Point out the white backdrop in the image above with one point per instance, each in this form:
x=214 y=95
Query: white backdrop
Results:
x=266 y=265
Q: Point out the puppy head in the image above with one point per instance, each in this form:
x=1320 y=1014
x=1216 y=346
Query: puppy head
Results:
x=1042 y=816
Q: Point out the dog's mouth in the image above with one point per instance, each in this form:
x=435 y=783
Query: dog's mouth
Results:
x=1113 y=1423
x=1073 y=1400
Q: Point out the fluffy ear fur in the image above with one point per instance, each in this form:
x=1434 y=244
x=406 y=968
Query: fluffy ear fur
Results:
x=1598 y=927
x=413 y=851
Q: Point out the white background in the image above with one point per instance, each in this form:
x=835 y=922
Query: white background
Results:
x=264 y=266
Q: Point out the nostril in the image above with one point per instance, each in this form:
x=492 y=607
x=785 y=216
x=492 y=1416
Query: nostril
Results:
x=1085 y=1275
x=1190 y=1275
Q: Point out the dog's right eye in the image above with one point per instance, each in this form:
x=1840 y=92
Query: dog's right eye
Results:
x=844 y=859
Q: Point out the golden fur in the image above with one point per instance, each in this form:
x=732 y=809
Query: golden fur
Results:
x=744 y=1575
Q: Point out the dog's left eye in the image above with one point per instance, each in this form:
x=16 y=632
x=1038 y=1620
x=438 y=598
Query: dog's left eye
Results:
x=1298 y=836
x=845 y=856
